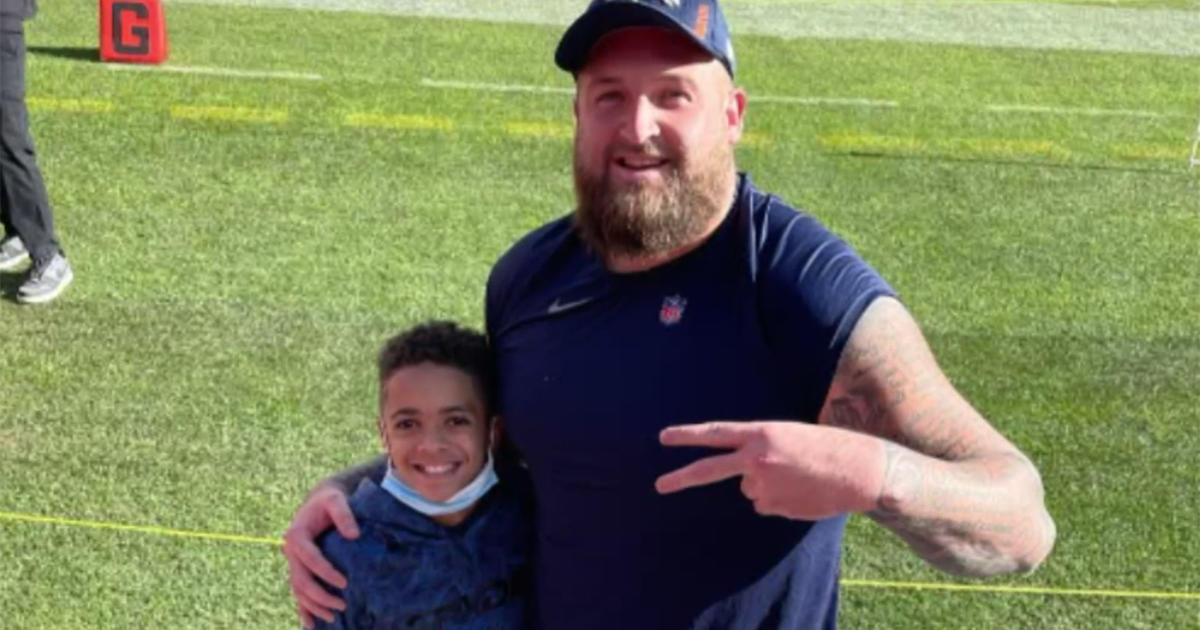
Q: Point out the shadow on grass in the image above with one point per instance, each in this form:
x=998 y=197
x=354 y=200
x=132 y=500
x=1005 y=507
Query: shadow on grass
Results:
x=81 y=53
x=9 y=281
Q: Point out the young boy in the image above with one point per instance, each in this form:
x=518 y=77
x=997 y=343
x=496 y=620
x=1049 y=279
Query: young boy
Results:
x=441 y=546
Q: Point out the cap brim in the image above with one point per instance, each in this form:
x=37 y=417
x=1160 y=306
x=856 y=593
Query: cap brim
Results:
x=576 y=44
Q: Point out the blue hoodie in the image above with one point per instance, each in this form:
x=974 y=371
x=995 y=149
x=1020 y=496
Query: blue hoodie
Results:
x=406 y=571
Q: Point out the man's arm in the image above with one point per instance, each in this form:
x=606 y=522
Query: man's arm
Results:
x=326 y=506
x=959 y=493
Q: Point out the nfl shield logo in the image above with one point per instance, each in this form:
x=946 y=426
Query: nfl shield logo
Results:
x=672 y=310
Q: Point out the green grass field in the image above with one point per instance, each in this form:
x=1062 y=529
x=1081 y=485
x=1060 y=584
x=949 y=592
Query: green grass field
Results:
x=243 y=245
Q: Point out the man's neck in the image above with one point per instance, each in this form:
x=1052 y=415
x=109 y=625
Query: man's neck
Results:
x=635 y=264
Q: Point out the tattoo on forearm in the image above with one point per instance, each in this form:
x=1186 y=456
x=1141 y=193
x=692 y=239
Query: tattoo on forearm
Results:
x=959 y=520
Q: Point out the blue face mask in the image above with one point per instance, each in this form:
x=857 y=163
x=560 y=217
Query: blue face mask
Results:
x=461 y=500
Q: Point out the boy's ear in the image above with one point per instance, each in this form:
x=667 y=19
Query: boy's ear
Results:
x=495 y=432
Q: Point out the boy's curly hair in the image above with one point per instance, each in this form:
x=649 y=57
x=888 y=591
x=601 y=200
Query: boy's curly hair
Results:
x=441 y=343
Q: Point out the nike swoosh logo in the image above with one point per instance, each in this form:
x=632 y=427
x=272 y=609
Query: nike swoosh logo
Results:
x=558 y=307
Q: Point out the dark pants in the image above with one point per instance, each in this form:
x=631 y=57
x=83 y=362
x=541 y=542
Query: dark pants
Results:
x=24 y=208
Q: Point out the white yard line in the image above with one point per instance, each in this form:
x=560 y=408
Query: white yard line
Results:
x=1081 y=111
x=495 y=87
x=820 y=100
x=221 y=72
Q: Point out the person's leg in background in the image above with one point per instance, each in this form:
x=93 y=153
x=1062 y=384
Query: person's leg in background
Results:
x=26 y=208
x=12 y=251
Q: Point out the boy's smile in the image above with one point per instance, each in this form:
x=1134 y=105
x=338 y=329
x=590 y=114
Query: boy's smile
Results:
x=437 y=469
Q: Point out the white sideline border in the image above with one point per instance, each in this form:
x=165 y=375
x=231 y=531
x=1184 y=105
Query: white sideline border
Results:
x=220 y=72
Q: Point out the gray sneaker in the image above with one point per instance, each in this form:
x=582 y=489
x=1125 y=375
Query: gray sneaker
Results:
x=46 y=280
x=12 y=253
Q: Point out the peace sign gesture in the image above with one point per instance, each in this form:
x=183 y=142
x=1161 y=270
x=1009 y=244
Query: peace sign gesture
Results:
x=788 y=468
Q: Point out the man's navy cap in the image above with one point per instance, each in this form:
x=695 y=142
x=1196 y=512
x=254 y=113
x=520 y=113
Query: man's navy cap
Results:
x=701 y=20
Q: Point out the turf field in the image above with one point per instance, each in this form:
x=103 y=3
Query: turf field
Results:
x=244 y=241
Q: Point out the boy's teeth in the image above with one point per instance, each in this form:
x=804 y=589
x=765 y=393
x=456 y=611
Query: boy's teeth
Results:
x=439 y=469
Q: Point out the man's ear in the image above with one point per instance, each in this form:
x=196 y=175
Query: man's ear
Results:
x=735 y=114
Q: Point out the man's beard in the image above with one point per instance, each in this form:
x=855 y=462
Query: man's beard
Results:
x=640 y=219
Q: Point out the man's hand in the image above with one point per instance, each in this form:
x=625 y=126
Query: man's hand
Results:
x=326 y=506
x=792 y=469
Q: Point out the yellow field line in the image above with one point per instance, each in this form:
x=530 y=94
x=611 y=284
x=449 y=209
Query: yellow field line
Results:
x=72 y=105
x=143 y=529
x=539 y=129
x=1007 y=146
x=1148 y=151
x=398 y=121
x=912 y=586
x=1024 y=590
x=219 y=112
x=993 y=147
x=850 y=141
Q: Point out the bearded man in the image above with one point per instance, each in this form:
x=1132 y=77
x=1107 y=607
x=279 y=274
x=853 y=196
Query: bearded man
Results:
x=680 y=310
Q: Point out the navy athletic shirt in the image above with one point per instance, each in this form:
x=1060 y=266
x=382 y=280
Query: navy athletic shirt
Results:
x=594 y=364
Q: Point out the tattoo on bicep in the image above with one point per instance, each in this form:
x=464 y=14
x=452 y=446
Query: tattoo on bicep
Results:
x=854 y=401
x=857 y=412
x=888 y=386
